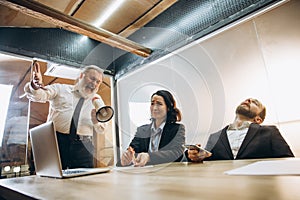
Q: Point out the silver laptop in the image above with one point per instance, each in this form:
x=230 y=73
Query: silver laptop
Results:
x=46 y=154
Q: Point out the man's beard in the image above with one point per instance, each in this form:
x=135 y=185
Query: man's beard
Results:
x=81 y=87
x=241 y=110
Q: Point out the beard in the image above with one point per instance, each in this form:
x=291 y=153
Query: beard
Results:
x=247 y=112
x=82 y=88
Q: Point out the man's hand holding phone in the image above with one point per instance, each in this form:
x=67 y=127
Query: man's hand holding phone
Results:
x=37 y=79
x=196 y=153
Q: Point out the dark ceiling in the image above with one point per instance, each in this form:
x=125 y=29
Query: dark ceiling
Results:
x=182 y=23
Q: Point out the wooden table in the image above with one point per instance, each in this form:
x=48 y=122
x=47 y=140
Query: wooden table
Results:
x=170 y=181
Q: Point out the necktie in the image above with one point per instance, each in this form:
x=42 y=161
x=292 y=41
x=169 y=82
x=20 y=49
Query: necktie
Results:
x=155 y=140
x=74 y=122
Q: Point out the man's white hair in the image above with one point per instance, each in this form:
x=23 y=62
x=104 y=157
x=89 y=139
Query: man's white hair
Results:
x=94 y=67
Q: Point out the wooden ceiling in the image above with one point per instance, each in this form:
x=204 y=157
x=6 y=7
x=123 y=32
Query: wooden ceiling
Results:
x=108 y=21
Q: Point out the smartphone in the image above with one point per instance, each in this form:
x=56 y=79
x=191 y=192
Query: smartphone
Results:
x=196 y=147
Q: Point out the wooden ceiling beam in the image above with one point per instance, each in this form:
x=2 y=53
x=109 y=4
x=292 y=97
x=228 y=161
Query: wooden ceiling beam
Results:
x=45 y=13
x=151 y=14
x=72 y=6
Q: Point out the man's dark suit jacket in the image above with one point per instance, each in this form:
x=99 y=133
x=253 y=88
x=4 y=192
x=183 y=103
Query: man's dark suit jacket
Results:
x=260 y=142
x=170 y=147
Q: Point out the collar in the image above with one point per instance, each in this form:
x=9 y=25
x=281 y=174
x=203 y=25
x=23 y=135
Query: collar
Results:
x=161 y=127
x=75 y=90
x=244 y=125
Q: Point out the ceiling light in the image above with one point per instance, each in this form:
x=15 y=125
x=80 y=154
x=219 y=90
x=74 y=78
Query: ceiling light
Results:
x=109 y=11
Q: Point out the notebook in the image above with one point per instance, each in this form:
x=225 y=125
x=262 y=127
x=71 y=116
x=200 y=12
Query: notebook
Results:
x=46 y=154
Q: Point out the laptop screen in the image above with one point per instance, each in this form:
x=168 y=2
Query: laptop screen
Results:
x=45 y=150
x=46 y=154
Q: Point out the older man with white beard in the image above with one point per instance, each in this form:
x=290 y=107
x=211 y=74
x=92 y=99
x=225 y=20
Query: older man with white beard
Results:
x=74 y=134
x=245 y=138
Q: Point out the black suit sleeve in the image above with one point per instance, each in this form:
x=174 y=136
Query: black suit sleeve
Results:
x=279 y=146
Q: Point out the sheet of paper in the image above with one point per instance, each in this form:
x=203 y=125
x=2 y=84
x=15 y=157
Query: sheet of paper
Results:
x=132 y=169
x=270 y=167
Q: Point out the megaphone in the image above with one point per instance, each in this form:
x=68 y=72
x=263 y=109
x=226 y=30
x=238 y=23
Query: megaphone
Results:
x=103 y=114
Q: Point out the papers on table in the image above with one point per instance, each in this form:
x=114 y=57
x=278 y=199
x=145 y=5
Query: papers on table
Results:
x=271 y=167
x=132 y=169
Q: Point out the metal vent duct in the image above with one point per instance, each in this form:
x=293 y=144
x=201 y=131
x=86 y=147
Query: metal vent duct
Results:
x=183 y=23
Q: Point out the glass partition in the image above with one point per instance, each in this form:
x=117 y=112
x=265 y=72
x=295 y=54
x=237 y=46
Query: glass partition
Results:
x=14 y=73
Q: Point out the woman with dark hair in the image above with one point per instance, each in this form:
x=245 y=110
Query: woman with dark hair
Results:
x=160 y=141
